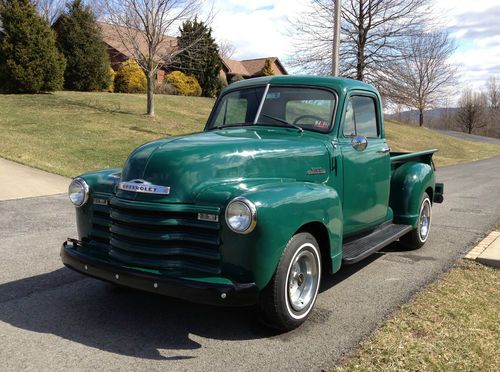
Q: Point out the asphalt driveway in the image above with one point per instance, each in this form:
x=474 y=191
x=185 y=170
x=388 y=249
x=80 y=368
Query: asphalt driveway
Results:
x=469 y=137
x=54 y=319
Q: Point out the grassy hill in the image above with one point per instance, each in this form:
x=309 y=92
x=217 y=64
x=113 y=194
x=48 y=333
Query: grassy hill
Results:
x=69 y=133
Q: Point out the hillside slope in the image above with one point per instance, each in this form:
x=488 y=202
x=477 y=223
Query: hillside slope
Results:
x=69 y=133
x=402 y=137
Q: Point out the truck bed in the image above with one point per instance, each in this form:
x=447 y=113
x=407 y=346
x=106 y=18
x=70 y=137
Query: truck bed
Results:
x=399 y=158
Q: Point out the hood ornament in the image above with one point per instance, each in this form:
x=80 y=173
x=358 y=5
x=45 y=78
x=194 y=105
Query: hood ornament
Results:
x=142 y=186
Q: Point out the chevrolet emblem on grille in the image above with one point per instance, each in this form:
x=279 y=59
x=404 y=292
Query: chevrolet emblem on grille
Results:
x=144 y=187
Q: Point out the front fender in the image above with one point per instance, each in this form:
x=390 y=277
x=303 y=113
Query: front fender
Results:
x=408 y=183
x=282 y=209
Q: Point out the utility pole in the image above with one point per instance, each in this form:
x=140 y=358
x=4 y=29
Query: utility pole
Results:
x=336 y=38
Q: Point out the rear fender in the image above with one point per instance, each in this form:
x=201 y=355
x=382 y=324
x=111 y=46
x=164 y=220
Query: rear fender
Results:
x=408 y=183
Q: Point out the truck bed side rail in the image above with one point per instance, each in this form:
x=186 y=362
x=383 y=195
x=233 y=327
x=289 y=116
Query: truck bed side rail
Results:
x=398 y=158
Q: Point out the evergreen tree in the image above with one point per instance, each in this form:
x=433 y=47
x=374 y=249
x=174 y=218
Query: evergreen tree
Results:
x=79 y=39
x=29 y=59
x=267 y=70
x=199 y=56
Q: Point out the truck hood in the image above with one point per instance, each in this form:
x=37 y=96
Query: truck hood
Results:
x=192 y=163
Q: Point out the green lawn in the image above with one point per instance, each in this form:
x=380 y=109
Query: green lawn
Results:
x=69 y=133
x=402 y=137
x=453 y=325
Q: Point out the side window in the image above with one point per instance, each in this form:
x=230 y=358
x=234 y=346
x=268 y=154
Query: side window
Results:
x=361 y=117
x=349 y=127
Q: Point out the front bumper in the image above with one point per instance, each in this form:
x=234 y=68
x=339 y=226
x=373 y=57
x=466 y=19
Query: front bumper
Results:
x=234 y=294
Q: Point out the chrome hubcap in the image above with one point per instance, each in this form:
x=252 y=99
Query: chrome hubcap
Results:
x=425 y=220
x=303 y=280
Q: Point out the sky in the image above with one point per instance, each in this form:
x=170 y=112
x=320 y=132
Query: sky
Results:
x=261 y=28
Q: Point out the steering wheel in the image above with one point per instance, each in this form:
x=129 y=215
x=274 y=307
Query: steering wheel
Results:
x=307 y=117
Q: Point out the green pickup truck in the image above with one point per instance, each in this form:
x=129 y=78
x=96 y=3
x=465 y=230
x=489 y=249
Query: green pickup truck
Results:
x=291 y=178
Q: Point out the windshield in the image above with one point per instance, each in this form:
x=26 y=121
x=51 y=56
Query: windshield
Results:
x=307 y=108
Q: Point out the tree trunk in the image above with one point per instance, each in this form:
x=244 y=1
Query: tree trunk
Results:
x=421 y=117
x=361 y=45
x=150 y=90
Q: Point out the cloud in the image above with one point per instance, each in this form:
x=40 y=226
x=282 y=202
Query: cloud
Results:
x=256 y=28
x=476 y=29
x=261 y=28
x=478 y=25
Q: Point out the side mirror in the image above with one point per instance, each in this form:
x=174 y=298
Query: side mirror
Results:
x=359 y=143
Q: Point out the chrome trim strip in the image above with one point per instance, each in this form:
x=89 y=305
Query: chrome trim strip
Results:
x=261 y=104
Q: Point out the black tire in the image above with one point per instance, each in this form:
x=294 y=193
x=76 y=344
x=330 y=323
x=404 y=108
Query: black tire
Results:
x=417 y=237
x=289 y=297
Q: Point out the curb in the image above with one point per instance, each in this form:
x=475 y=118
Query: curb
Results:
x=486 y=251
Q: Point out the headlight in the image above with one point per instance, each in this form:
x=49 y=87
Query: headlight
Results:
x=78 y=192
x=241 y=215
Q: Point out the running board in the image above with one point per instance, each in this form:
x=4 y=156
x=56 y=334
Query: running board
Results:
x=358 y=249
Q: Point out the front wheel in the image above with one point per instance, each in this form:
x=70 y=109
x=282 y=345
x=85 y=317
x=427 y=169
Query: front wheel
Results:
x=417 y=237
x=288 y=299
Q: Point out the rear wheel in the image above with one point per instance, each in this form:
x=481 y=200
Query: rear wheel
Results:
x=290 y=296
x=417 y=237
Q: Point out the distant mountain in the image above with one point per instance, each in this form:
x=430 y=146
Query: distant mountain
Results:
x=433 y=116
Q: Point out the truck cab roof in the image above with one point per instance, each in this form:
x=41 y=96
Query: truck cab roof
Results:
x=336 y=83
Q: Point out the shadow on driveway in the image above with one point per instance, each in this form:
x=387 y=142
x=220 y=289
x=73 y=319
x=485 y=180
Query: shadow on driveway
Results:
x=129 y=322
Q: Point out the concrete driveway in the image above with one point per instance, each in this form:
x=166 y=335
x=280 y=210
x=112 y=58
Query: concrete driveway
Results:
x=19 y=181
x=54 y=319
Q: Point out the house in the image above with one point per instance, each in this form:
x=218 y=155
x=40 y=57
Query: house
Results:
x=119 y=51
x=119 y=48
x=249 y=68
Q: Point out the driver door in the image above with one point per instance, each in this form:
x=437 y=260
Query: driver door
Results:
x=366 y=164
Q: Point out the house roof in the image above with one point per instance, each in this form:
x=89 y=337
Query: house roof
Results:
x=235 y=67
x=255 y=66
x=250 y=67
x=132 y=39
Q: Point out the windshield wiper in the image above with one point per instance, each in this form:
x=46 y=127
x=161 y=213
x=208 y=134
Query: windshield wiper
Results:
x=282 y=121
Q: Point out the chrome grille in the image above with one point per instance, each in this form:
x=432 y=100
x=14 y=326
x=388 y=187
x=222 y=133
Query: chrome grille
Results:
x=163 y=236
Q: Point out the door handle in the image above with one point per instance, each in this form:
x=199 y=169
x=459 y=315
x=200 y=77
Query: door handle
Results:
x=384 y=150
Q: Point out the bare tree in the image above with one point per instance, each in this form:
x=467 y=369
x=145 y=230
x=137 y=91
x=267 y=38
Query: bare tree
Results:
x=142 y=27
x=471 y=112
x=226 y=48
x=50 y=9
x=493 y=92
x=372 y=34
x=419 y=81
x=493 y=95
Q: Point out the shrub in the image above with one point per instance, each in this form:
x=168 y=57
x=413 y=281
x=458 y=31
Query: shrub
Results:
x=236 y=78
x=221 y=84
x=29 y=59
x=79 y=39
x=130 y=78
x=184 y=85
x=111 y=80
x=267 y=70
x=199 y=55
x=163 y=87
